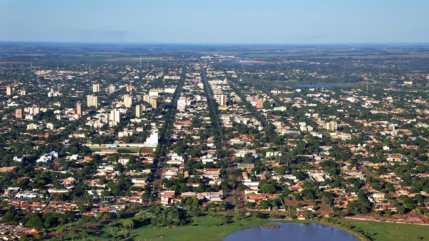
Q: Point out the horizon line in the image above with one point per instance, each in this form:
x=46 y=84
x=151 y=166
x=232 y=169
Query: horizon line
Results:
x=208 y=43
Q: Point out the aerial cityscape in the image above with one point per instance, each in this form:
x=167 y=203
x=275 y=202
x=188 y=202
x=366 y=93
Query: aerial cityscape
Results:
x=135 y=138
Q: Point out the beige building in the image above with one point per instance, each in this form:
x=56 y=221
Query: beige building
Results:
x=138 y=110
x=332 y=126
x=95 y=88
x=260 y=104
x=128 y=101
x=115 y=117
x=146 y=98
x=154 y=104
x=8 y=90
x=79 y=109
x=92 y=100
x=18 y=113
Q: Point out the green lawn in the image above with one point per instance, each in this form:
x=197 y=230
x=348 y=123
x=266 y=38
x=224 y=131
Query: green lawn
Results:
x=390 y=231
x=204 y=228
x=210 y=228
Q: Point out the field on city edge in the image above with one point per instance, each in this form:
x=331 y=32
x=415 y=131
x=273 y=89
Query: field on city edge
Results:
x=209 y=228
x=379 y=231
x=203 y=228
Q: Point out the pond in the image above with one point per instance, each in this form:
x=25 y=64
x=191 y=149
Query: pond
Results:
x=293 y=232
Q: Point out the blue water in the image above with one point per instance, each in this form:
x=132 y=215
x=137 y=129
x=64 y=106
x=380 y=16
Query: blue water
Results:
x=293 y=232
x=322 y=86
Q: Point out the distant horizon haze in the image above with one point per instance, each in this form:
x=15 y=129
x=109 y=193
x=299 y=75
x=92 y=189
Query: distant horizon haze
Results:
x=215 y=22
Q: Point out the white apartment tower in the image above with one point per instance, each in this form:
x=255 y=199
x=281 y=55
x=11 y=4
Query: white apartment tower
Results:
x=128 y=101
x=223 y=100
x=111 y=89
x=8 y=90
x=138 y=110
x=115 y=117
x=92 y=100
x=95 y=88
x=332 y=126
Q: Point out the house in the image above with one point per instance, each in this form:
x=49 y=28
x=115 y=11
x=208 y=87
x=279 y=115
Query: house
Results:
x=301 y=216
x=48 y=157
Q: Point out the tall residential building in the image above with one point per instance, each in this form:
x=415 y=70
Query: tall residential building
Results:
x=79 y=109
x=129 y=88
x=111 y=89
x=128 y=101
x=95 y=88
x=18 y=113
x=8 y=90
x=138 y=110
x=154 y=104
x=332 y=126
x=260 y=104
x=146 y=98
x=222 y=100
x=225 y=81
x=92 y=100
x=23 y=92
x=181 y=104
x=34 y=110
x=115 y=117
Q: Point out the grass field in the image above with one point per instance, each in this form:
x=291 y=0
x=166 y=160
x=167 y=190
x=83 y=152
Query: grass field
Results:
x=204 y=228
x=390 y=231
x=210 y=228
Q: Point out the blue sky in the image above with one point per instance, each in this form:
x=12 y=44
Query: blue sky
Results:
x=219 y=21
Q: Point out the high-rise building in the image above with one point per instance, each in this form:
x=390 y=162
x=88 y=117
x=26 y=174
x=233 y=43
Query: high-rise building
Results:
x=128 y=101
x=146 y=98
x=23 y=92
x=154 y=104
x=111 y=89
x=8 y=90
x=138 y=110
x=260 y=104
x=115 y=117
x=18 y=113
x=222 y=100
x=181 y=104
x=95 y=88
x=129 y=88
x=34 y=110
x=79 y=109
x=225 y=81
x=332 y=126
x=92 y=100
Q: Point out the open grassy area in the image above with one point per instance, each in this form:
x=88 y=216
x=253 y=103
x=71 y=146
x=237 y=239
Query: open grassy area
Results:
x=390 y=231
x=210 y=227
x=204 y=228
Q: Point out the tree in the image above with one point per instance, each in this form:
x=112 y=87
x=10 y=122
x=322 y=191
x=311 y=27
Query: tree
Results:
x=264 y=204
x=128 y=223
x=9 y=218
x=23 y=238
x=268 y=188
x=82 y=208
x=120 y=213
x=35 y=222
x=72 y=234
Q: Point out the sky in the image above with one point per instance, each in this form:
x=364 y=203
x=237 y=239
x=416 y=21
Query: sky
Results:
x=215 y=21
